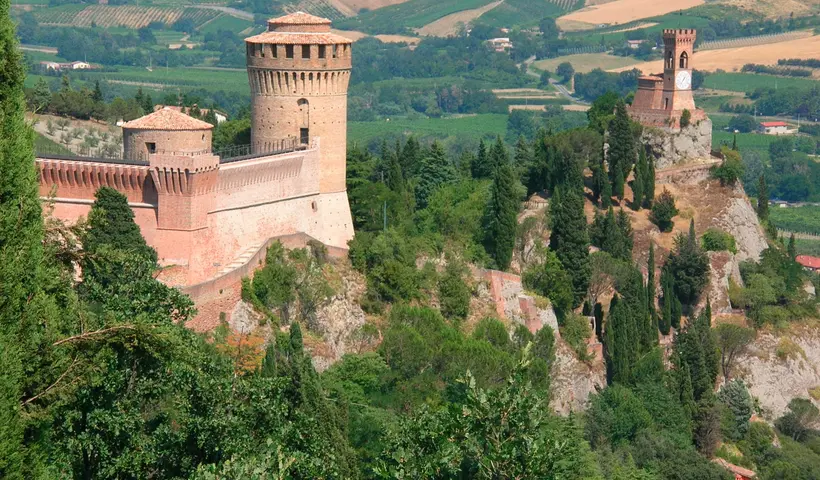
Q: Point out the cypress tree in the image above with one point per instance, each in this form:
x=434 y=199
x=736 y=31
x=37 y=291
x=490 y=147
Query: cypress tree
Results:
x=762 y=199
x=498 y=156
x=598 y=181
x=111 y=222
x=618 y=184
x=669 y=301
x=523 y=154
x=650 y=286
x=21 y=236
x=626 y=235
x=436 y=171
x=501 y=217
x=638 y=182
x=792 y=249
x=410 y=157
x=598 y=312
x=621 y=144
x=649 y=183
x=570 y=238
x=606 y=194
x=621 y=340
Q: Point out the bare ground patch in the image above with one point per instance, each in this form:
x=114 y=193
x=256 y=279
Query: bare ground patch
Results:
x=586 y=62
x=447 y=26
x=734 y=58
x=620 y=12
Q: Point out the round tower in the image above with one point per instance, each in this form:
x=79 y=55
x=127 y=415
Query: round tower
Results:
x=299 y=73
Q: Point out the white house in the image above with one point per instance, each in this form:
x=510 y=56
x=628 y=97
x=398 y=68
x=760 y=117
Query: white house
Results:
x=501 y=44
x=775 y=128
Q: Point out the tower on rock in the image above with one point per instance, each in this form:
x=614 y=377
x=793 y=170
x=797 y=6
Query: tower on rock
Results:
x=299 y=73
x=662 y=98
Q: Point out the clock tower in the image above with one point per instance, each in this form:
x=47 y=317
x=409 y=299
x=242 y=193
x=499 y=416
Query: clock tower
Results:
x=677 y=73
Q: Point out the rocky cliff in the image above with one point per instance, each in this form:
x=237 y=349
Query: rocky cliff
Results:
x=674 y=148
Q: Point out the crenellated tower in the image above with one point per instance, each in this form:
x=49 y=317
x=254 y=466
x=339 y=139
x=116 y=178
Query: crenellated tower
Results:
x=299 y=73
x=678 y=48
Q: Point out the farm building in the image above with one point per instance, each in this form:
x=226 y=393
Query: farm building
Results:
x=55 y=66
x=808 y=262
x=775 y=128
x=501 y=44
x=634 y=44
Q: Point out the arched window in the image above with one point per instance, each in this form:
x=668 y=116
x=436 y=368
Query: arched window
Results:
x=670 y=59
x=684 y=60
x=304 y=120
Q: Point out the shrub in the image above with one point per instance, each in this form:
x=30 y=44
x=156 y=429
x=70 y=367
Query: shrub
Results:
x=716 y=240
x=685 y=118
x=787 y=349
x=663 y=211
x=576 y=331
x=731 y=169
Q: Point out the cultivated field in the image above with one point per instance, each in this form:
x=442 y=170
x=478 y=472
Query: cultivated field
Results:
x=747 y=82
x=622 y=11
x=449 y=25
x=472 y=125
x=356 y=5
x=585 y=62
x=128 y=16
x=776 y=8
x=322 y=8
x=734 y=58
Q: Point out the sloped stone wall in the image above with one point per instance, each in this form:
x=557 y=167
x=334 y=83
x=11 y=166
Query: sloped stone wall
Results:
x=670 y=148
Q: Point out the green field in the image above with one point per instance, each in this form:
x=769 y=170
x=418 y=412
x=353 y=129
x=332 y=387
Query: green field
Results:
x=745 y=141
x=474 y=125
x=520 y=13
x=747 y=82
x=226 y=22
x=585 y=62
x=808 y=247
x=228 y=80
x=412 y=14
x=798 y=219
x=666 y=21
x=42 y=143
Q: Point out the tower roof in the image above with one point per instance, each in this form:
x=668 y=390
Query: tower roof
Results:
x=167 y=119
x=299 y=18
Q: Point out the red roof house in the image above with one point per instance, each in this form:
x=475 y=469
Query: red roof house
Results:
x=809 y=262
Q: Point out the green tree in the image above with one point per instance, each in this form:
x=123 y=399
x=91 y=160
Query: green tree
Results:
x=663 y=211
x=111 y=222
x=599 y=179
x=731 y=169
x=569 y=238
x=638 y=189
x=436 y=171
x=733 y=341
x=41 y=96
x=621 y=342
x=21 y=233
x=685 y=118
x=482 y=167
x=689 y=265
x=649 y=183
x=622 y=154
x=735 y=396
x=762 y=199
x=565 y=71
x=453 y=291
x=650 y=287
x=792 y=247
x=549 y=279
x=501 y=216
x=801 y=419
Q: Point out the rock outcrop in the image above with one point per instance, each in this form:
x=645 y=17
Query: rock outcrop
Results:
x=674 y=148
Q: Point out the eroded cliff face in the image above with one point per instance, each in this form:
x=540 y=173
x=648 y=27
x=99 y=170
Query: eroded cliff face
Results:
x=780 y=367
x=573 y=381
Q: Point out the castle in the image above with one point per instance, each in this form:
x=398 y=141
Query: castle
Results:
x=662 y=99
x=203 y=211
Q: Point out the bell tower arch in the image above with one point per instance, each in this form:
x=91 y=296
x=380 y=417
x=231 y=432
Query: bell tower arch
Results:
x=677 y=73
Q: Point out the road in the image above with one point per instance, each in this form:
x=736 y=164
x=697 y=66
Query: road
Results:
x=562 y=90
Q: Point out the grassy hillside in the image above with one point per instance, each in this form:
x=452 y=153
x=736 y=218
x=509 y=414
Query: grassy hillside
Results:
x=474 y=125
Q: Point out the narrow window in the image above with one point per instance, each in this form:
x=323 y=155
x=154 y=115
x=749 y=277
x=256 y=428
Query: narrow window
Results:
x=684 y=60
x=289 y=51
x=335 y=51
x=666 y=104
x=262 y=50
x=305 y=51
x=322 y=51
x=151 y=147
x=273 y=51
x=304 y=135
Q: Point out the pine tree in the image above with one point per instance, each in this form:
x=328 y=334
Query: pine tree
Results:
x=626 y=235
x=649 y=183
x=523 y=154
x=498 y=156
x=97 y=95
x=501 y=217
x=598 y=181
x=410 y=158
x=436 y=170
x=570 y=238
x=21 y=236
x=481 y=167
x=762 y=199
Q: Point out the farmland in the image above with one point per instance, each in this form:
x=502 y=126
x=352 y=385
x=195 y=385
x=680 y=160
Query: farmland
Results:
x=735 y=58
x=226 y=22
x=449 y=25
x=525 y=13
x=413 y=14
x=798 y=219
x=228 y=80
x=323 y=8
x=475 y=126
x=747 y=82
x=585 y=62
x=621 y=11
x=122 y=15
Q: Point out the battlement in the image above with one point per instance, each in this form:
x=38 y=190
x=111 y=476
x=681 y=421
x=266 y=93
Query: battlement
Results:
x=680 y=36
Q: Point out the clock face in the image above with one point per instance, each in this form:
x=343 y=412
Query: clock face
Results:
x=683 y=80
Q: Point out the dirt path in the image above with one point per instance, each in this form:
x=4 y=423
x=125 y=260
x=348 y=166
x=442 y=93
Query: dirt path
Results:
x=36 y=48
x=447 y=26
